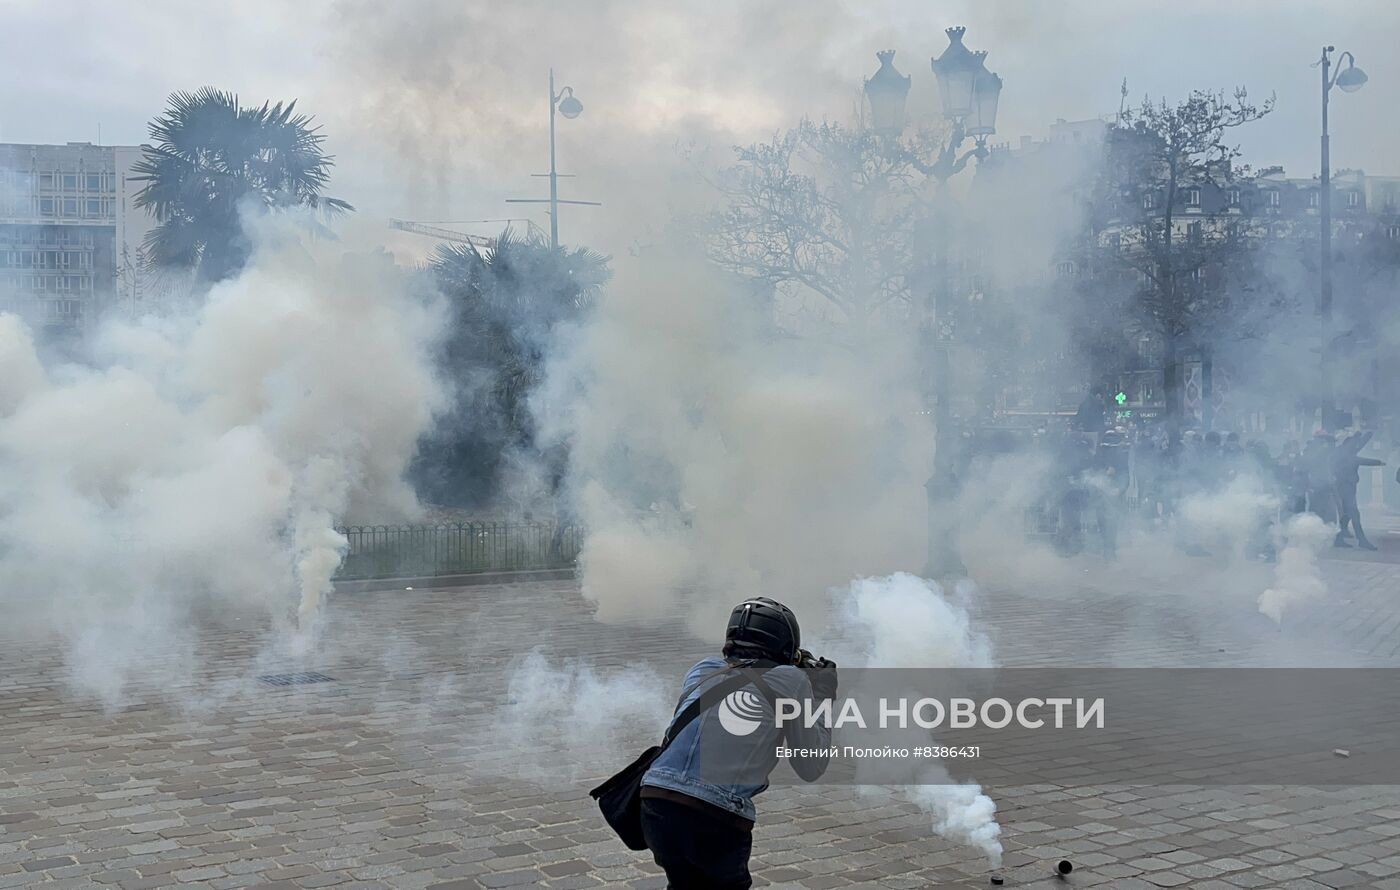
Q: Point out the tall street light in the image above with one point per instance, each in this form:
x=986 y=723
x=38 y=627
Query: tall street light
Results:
x=563 y=102
x=970 y=94
x=1349 y=79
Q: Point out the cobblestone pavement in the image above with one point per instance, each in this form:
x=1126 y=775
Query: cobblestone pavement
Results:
x=392 y=774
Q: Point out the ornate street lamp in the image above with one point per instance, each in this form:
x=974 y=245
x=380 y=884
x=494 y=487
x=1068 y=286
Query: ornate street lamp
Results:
x=970 y=94
x=887 y=91
x=956 y=71
x=986 y=91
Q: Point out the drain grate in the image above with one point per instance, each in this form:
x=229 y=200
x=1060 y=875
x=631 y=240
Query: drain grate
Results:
x=295 y=679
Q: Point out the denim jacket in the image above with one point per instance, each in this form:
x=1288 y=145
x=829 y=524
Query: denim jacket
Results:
x=711 y=763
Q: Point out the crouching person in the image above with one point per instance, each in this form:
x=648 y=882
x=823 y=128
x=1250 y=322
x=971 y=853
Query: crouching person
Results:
x=697 y=797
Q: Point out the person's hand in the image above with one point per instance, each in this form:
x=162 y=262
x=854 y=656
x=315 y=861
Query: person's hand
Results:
x=823 y=678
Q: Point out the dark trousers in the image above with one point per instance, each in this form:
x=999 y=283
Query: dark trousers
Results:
x=1323 y=502
x=1349 y=511
x=695 y=849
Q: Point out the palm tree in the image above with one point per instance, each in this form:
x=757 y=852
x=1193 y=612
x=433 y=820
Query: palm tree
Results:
x=506 y=304
x=212 y=161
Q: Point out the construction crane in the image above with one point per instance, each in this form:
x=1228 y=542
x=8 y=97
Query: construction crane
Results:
x=418 y=228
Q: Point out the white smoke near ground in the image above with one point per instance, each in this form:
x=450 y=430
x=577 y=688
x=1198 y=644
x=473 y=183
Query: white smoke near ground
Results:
x=593 y=715
x=1297 y=576
x=903 y=621
x=205 y=460
x=1228 y=516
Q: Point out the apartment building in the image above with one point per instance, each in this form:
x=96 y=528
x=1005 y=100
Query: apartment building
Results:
x=70 y=233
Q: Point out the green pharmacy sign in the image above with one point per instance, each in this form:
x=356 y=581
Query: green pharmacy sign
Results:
x=1121 y=397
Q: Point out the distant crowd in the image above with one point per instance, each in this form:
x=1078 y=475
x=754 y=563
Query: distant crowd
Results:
x=1095 y=466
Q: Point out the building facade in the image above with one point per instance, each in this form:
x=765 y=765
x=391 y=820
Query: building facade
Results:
x=1273 y=209
x=70 y=234
x=1044 y=191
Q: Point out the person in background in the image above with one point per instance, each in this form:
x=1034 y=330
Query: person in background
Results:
x=1074 y=465
x=1234 y=460
x=1347 y=463
x=1316 y=463
x=1111 y=462
x=1261 y=464
x=1293 y=480
x=1092 y=416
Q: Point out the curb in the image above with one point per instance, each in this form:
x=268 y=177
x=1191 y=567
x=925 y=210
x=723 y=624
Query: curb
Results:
x=475 y=579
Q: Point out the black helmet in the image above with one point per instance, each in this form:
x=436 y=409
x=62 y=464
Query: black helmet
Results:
x=762 y=628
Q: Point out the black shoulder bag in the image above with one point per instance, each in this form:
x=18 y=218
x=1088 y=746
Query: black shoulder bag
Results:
x=620 y=797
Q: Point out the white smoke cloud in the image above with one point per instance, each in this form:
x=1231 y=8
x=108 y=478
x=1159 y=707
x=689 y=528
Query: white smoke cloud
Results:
x=902 y=621
x=207 y=458
x=714 y=459
x=1297 y=577
x=592 y=716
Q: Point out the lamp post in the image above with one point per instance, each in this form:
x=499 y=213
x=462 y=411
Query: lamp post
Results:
x=563 y=102
x=1349 y=79
x=970 y=94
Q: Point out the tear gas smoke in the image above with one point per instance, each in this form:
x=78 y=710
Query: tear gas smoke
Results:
x=1297 y=577
x=1229 y=516
x=903 y=621
x=714 y=459
x=599 y=714
x=204 y=460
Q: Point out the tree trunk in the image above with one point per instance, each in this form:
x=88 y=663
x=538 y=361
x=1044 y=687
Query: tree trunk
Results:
x=1171 y=381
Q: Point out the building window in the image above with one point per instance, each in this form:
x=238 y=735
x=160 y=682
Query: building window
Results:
x=46 y=206
x=45 y=180
x=1193 y=232
x=1312 y=199
x=70 y=182
x=1193 y=197
x=1149 y=201
x=94 y=182
x=1353 y=199
x=94 y=206
x=1065 y=269
x=1232 y=197
x=70 y=206
x=1271 y=197
x=1393 y=233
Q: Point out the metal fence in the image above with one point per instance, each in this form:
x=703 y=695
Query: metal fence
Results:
x=405 y=551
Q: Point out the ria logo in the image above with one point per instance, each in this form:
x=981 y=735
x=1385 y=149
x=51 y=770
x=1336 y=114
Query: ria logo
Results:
x=741 y=712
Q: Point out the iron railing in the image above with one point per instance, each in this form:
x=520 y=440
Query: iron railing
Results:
x=406 y=551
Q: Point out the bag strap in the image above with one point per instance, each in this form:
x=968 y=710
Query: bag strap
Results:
x=712 y=696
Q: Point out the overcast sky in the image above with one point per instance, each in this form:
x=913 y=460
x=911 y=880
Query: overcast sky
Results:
x=436 y=109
